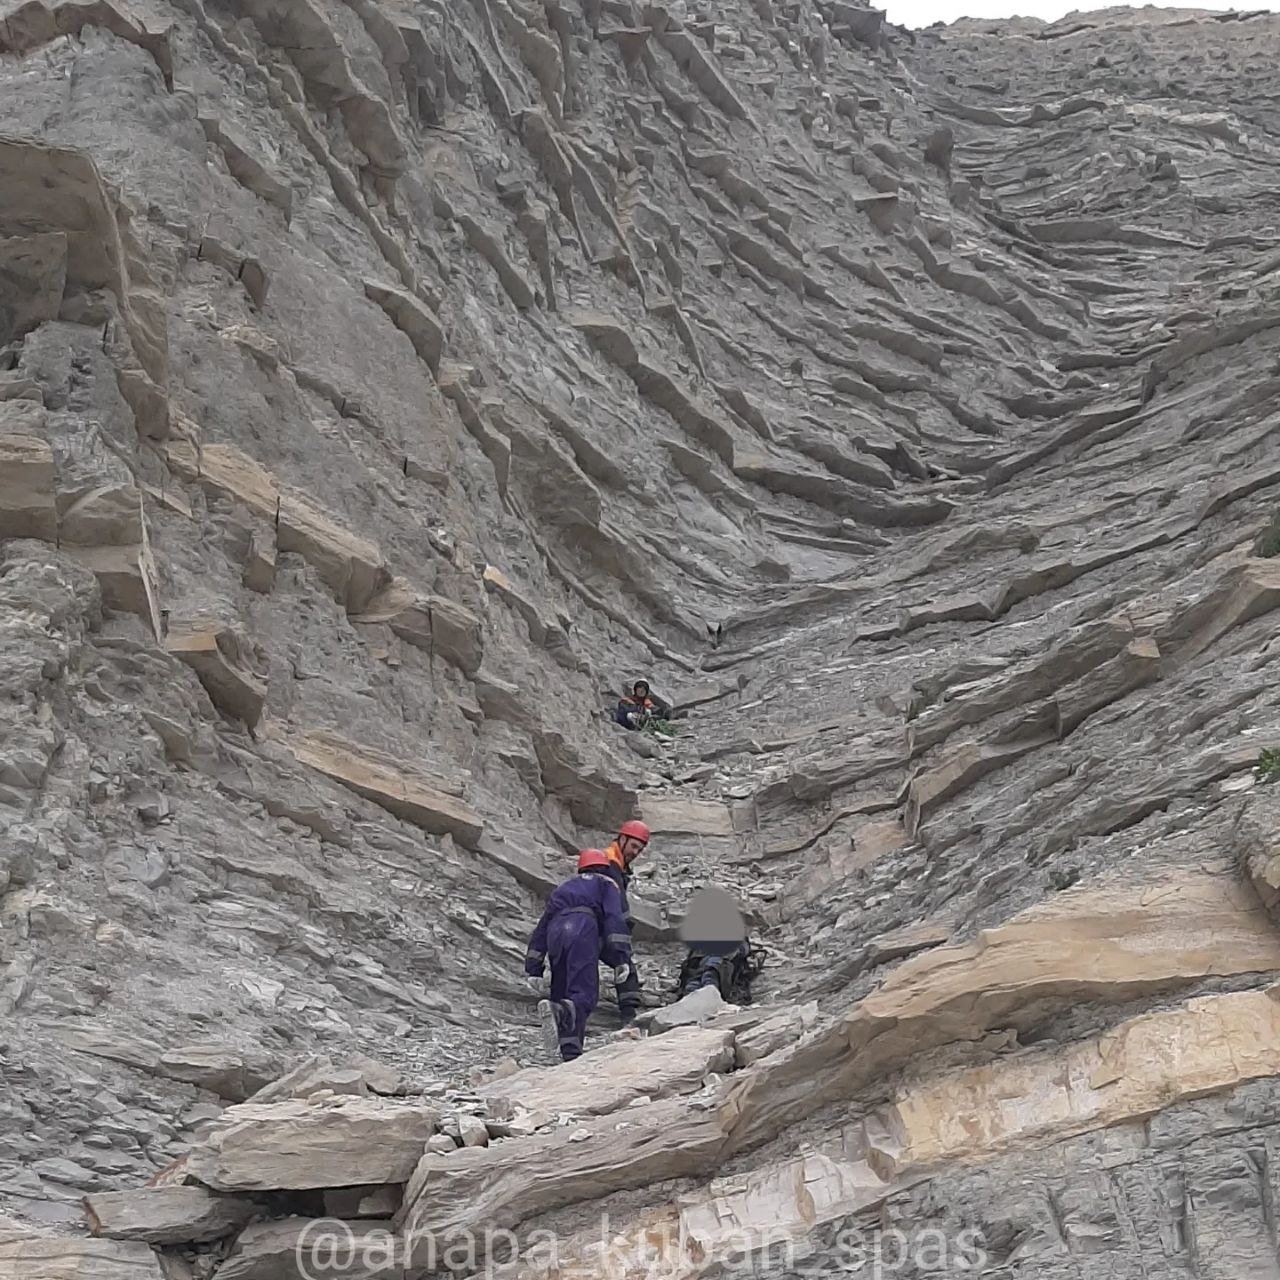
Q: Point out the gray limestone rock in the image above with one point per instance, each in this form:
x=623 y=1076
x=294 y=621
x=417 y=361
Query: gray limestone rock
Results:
x=27 y=1254
x=902 y=401
x=334 y=1142
x=697 y=1007
x=300 y=1248
x=165 y=1215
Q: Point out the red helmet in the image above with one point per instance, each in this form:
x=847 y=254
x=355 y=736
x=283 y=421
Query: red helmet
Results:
x=636 y=830
x=589 y=858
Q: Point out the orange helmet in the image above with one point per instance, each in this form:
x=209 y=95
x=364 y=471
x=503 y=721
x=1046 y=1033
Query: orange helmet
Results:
x=636 y=830
x=589 y=858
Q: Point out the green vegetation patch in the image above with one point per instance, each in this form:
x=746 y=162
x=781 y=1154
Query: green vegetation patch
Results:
x=1268 y=767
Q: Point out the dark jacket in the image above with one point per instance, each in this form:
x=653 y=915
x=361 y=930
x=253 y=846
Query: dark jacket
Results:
x=621 y=877
x=592 y=893
x=732 y=973
x=653 y=706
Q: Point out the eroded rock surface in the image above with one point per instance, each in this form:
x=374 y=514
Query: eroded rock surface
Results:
x=383 y=388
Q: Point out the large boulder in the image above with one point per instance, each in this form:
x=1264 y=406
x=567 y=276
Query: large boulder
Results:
x=165 y=1215
x=29 y=1255
x=294 y=1145
x=698 y=1006
x=615 y=1075
x=499 y=1186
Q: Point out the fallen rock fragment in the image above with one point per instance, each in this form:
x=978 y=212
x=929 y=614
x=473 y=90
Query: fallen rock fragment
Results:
x=465 y=1130
x=610 y=1077
x=697 y=1007
x=29 y=1255
x=503 y=1185
x=294 y=1146
x=781 y=1029
x=309 y=1077
x=378 y=1077
x=166 y=1215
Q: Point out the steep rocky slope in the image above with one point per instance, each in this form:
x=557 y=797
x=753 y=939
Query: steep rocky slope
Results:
x=383 y=385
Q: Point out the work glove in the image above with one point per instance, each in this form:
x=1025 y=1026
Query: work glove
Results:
x=620 y=973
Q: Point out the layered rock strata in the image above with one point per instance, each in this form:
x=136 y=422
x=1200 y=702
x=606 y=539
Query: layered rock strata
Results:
x=382 y=389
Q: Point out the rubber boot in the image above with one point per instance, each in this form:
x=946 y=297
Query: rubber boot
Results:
x=550 y=1027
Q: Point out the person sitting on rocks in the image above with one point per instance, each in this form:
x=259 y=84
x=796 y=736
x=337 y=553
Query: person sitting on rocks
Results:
x=635 y=710
x=729 y=973
x=583 y=924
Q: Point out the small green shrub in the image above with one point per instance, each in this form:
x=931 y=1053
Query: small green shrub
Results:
x=1268 y=767
x=660 y=728
x=1267 y=542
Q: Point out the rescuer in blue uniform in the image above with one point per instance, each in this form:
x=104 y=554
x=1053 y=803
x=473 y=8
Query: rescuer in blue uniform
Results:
x=583 y=924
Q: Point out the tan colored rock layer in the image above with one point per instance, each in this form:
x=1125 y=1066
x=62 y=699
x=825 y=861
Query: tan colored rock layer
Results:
x=1105 y=946
x=377 y=777
x=127 y=575
x=1142 y=1066
x=429 y=622
x=213 y=652
x=1146 y=1064
x=350 y=566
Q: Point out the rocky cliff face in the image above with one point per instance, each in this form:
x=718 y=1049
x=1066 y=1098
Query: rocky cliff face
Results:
x=382 y=386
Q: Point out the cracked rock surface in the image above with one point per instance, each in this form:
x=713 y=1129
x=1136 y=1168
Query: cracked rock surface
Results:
x=384 y=387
